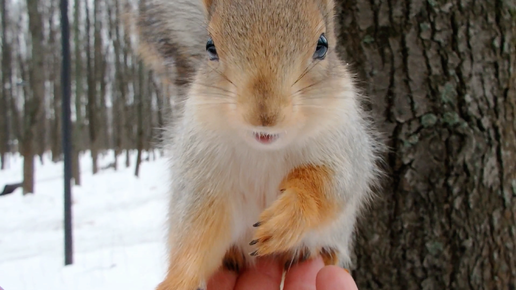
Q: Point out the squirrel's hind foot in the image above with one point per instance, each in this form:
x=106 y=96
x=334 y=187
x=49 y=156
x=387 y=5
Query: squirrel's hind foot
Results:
x=234 y=260
x=328 y=254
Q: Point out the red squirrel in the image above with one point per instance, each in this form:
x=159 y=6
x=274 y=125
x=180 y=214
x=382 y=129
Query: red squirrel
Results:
x=272 y=153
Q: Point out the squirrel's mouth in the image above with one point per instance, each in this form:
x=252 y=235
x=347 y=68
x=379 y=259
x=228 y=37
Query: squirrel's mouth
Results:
x=265 y=138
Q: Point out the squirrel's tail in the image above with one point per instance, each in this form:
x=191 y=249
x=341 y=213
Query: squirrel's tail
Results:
x=171 y=38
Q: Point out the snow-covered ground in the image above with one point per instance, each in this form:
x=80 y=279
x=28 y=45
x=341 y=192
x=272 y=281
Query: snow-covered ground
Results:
x=118 y=223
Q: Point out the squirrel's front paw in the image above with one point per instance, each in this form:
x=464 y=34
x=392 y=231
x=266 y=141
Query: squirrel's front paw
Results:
x=281 y=226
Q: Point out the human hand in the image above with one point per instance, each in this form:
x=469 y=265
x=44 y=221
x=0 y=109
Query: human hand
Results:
x=308 y=275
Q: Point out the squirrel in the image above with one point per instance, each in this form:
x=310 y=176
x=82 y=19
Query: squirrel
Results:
x=272 y=153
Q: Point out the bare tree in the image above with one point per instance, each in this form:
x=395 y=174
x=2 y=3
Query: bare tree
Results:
x=54 y=65
x=139 y=96
x=6 y=89
x=79 y=90
x=33 y=100
x=106 y=85
x=92 y=90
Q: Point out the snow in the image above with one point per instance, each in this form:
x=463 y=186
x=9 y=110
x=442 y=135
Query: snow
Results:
x=118 y=223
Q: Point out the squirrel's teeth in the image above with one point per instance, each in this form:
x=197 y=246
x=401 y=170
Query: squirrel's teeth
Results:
x=265 y=138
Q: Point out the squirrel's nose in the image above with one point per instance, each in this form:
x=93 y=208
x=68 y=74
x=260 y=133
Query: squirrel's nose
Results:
x=267 y=119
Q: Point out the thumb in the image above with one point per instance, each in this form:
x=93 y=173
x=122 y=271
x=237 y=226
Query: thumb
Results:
x=335 y=278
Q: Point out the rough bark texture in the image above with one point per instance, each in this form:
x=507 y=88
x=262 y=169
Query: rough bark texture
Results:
x=441 y=79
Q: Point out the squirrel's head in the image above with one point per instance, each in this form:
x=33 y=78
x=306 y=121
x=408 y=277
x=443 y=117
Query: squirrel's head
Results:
x=271 y=71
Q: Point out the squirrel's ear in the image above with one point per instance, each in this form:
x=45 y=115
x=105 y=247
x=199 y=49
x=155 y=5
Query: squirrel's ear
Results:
x=208 y=4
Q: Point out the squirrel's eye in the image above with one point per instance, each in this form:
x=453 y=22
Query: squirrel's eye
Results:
x=212 y=51
x=322 y=48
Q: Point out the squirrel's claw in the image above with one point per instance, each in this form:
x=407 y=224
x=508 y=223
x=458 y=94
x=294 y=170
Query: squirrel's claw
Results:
x=282 y=226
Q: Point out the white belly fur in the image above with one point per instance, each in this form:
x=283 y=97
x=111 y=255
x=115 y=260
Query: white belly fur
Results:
x=255 y=186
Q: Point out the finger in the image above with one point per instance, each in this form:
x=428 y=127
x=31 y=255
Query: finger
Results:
x=302 y=275
x=222 y=280
x=266 y=274
x=335 y=278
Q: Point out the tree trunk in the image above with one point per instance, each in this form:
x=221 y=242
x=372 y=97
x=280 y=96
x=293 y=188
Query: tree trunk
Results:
x=139 y=112
x=119 y=85
x=148 y=115
x=160 y=108
x=100 y=81
x=92 y=90
x=441 y=78
x=77 y=129
x=128 y=76
x=54 y=66
x=6 y=89
x=28 y=165
x=33 y=101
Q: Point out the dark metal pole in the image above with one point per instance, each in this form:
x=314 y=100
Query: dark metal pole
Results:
x=67 y=142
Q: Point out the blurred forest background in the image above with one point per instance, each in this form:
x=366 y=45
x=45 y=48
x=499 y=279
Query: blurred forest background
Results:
x=116 y=103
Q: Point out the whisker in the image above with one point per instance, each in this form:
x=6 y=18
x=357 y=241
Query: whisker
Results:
x=307 y=70
x=322 y=97
x=303 y=90
x=216 y=96
x=293 y=258
x=223 y=75
x=216 y=87
x=326 y=108
x=214 y=104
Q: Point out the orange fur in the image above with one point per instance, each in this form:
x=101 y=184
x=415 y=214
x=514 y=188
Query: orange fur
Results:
x=196 y=254
x=208 y=3
x=264 y=78
x=330 y=256
x=304 y=205
x=265 y=84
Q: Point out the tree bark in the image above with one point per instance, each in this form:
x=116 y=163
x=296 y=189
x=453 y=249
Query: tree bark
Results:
x=160 y=108
x=54 y=67
x=6 y=89
x=441 y=79
x=127 y=76
x=119 y=87
x=139 y=112
x=79 y=90
x=92 y=90
x=100 y=80
x=33 y=101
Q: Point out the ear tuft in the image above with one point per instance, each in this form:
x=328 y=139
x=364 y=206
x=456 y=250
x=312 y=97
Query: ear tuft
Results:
x=208 y=4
